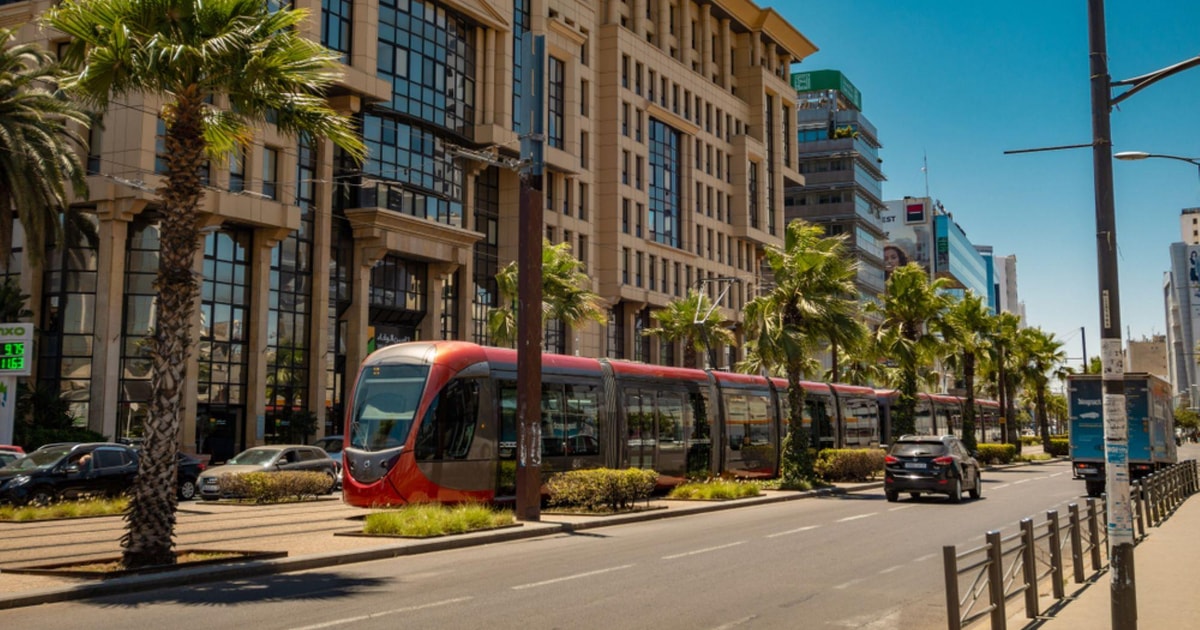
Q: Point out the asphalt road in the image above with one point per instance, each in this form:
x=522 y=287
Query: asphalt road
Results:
x=851 y=561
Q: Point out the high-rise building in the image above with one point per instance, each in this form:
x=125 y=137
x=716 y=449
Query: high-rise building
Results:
x=843 y=181
x=668 y=144
x=1181 y=302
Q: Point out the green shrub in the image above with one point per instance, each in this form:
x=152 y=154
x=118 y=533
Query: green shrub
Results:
x=1059 y=447
x=64 y=509
x=601 y=489
x=850 y=464
x=1030 y=440
x=432 y=519
x=997 y=453
x=262 y=487
x=714 y=489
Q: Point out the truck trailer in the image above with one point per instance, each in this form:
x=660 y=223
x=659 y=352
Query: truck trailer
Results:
x=1151 y=424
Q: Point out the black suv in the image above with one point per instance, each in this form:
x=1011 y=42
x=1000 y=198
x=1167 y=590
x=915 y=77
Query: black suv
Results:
x=68 y=471
x=935 y=464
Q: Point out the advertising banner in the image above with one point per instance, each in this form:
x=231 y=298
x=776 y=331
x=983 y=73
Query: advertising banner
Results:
x=909 y=227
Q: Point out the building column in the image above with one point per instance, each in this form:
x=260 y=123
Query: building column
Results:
x=488 y=90
x=614 y=12
x=319 y=355
x=772 y=58
x=686 y=55
x=706 y=41
x=639 y=18
x=258 y=318
x=439 y=275
x=114 y=218
x=726 y=55
x=367 y=252
x=663 y=25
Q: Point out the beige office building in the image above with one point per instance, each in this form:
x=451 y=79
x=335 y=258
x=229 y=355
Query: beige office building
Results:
x=669 y=140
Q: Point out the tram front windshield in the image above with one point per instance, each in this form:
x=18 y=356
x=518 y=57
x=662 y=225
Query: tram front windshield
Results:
x=385 y=404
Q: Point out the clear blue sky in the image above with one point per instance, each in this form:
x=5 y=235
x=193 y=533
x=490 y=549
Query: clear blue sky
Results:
x=962 y=82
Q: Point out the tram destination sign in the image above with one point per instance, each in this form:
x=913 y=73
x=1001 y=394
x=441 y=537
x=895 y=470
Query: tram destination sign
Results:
x=16 y=349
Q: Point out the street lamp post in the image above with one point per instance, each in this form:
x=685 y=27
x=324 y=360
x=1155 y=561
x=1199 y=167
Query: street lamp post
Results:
x=1120 y=515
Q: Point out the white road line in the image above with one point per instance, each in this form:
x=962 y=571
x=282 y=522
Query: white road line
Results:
x=999 y=487
x=1058 y=474
x=927 y=556
x=736 y=622
x=341 y=622
x=571 y=577
x=890 y=569
x=792 y=531
x=902 y=507
x=705 y=550
x=846 y=585
x=855 y=518
x=1022 y=481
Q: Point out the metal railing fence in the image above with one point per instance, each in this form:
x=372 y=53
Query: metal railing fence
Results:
x=980 y=580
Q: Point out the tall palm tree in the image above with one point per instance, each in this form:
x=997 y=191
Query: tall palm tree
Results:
x=40 y=167
x=693 y=321
x=192 y=53
x=814 y=300
x=564 y=296
x=970 y=323
x=912 y=311
x=1044 y=358
x=1001 y=365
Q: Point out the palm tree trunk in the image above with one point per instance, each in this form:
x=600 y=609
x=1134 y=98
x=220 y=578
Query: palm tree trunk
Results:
x=151 y=515
x=968 y=423
x=797 y=462
x=1043 y=421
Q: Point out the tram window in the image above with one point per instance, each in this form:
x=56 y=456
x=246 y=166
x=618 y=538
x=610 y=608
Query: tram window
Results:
x=449 y=424
x=384 y=406
x=862 y=422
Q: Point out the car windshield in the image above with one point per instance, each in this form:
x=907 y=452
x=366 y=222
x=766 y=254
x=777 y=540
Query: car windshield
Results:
x=384 y=405
x=254 y=457
x=919 y=449
x=40 y=459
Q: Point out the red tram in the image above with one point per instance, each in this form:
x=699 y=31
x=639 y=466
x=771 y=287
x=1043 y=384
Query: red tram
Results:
x=436 y=421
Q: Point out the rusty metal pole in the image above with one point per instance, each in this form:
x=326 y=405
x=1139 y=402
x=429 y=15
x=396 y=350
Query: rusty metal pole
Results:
x=529 y=298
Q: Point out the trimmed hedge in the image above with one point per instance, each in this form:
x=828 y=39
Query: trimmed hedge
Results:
x=1059 y=447
x=850 y=464
x=601 y=489
x=262 y=487
x=997 y=453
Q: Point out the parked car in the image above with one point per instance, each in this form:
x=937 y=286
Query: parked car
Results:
x=275 y=458
x=9 y=454
x=936 y=464
x=333 y=445
x=57 y=472
x=189 y=476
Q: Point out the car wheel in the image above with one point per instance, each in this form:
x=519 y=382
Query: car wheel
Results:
x=977 y=490
x=187 y=489
x=42 y=495
x=892 y=495
x=332 y=481
x=956 y=493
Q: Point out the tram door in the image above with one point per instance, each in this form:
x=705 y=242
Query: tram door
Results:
x=658 y=430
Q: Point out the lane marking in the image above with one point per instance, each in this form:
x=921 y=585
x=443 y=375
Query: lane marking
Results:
x=855 y=518
x=846 y=585
x=792 y=531
x=705 y=550
x=397 y=611
x=902 y=507
x=999 y=487
x=890 y=569
x=736 y=622
x=927 y=556
x=1022 y=481
x=571 y=577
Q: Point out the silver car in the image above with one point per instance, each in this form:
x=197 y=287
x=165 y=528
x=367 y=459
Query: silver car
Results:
x=274 y=458
x=333 y=445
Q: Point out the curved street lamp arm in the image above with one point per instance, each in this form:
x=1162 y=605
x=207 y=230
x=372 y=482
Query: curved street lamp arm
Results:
x=1144 y=81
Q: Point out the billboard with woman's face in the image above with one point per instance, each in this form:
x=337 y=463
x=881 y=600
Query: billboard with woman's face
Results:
x=909 y=227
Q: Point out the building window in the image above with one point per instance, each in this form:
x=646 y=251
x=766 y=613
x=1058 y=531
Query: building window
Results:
x=407 y=170
x=555 y=83
x=616 y=333
x=520 y=40
x=487 y=251
x=237 y=170
x=665 y=201
x=141 y=268
x=222 y=352
x=337 y=19
x=450 y=307
x=270 y=172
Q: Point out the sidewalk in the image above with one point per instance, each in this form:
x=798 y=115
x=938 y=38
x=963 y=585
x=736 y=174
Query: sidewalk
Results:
x=1162 y=566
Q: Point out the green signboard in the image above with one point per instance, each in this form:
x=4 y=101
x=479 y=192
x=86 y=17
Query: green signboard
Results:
x=819 y=80
x=16 y=349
